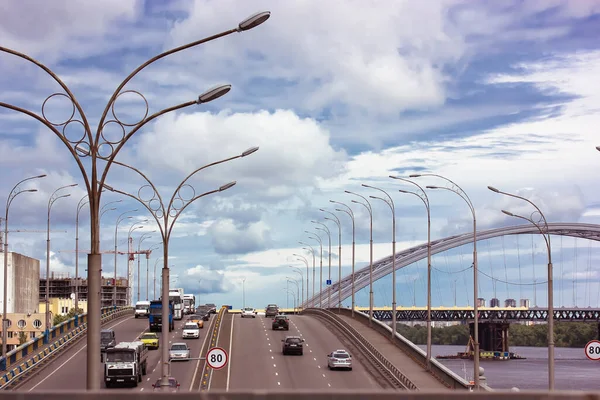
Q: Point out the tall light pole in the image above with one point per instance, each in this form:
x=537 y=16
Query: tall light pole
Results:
x=540 y=222
x=326 y=230
x=154 y=276
x=303 y=259
x=367 y=205
x=453 y=187
x=314 y=268
x=423 y=196
x=80 y=205
x=155 y=247
x=299 y=271
x=339 y=225
x=392 y=207
x=243 y=293
x=130 y=284
x=51 y=201
x=119 y=220
x=139 y=256
x=318 y=239
x=15 y=191
x=348 y=211
x=165 y=217
x=291 y=292
x=93 y=146
x=295 y=282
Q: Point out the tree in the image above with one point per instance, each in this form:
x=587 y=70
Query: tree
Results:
x=22 y=338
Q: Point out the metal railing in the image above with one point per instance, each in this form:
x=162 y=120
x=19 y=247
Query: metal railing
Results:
x=78 y=329
x=360 y=342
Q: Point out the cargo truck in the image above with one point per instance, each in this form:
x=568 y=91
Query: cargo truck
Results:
x=155 y=318
x=125 y=364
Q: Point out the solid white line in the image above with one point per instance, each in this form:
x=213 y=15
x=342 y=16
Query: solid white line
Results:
x=229 y=358
x=198 y=362
x=70 y=358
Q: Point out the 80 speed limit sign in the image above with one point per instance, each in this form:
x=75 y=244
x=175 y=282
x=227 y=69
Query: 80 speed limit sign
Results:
x=216 y=358
x=592 y=350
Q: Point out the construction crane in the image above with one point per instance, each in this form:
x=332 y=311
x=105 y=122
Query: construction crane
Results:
x=20 y=231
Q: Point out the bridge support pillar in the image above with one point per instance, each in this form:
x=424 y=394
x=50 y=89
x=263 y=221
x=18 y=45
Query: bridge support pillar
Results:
x=493 y=336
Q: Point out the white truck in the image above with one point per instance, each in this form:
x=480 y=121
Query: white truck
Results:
x=189 y=303
x=142 y=309
x=125 y=364
x=176 y=296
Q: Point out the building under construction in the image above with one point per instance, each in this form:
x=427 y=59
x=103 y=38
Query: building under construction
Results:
x=63 y=286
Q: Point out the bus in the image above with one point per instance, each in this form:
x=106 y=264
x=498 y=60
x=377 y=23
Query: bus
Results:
x=176 y=296
x=189 y=303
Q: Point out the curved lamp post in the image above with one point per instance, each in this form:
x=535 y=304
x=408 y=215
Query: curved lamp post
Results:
x=119 y=220
x=130 y=285
x=348 y=211
x=77 y=134
x=421 y=194
x=318 y=239
x=14 y=192
x=336 y=220
x=299 y=271
x=367 y=205
x=155 y=247
x=392 y=207
x=53 y=198
x=82 y=203
x=540 y=222
x=463 y=195
x=303 y=259
x=297 y=297
x=165 y=217
x=314 y=268
x=326 y=230
x=144 y=236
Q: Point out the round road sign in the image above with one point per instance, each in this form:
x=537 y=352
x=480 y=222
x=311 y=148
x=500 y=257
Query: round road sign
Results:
x=592 y=350
x=217 y=358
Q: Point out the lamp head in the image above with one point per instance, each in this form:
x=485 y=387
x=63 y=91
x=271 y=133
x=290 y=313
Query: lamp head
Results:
x=253 y=21
x=374 y=197
x=250 y=151
x=41 y=176
x=320 y=209
x=227 y=186
x=73 y=185
x=347 y=191
x=431 y=187
x=337 y=209
x=403 y=191
x=31 y=190
x=363 y=185
x=598 y=148
x=508 y=213
x=108 y=187
x=493 y=189
x=213 y=94
x=414 y=175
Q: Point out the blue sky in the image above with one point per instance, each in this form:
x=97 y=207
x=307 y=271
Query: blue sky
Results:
x=335 y=94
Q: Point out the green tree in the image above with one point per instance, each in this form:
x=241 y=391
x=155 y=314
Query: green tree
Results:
x=22 y=338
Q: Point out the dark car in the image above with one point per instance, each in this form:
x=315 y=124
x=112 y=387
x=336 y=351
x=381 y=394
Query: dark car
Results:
x=281 y=322
x=173 y=386
x=271 y=311
x=212 y=308
x=292 y=345
x=204 y=315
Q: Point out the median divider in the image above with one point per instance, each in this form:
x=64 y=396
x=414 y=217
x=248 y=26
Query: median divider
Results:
x=402 y=381
x=206 y=372
x=24 y=358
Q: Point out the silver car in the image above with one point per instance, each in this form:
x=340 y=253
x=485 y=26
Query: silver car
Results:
x=179 y=351
x=339 y=359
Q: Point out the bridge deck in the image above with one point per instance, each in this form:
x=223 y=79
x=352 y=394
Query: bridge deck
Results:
x=403 y=362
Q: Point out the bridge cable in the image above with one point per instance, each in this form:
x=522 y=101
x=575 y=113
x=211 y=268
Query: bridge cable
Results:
x=462 y=262
x=575 y=274
x=519 y=260
x=505 y=269
x=514 y=283
x=436 y=279
x=487 y=243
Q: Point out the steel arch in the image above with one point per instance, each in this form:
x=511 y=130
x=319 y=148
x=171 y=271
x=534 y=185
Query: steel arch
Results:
x=406 y=257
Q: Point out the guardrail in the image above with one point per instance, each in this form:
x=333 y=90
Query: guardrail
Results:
x=207 y=371
x=367 y=347
x=78 y=327
x=418 y=355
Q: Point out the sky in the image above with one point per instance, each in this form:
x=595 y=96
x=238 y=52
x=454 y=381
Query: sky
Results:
x=335 y=95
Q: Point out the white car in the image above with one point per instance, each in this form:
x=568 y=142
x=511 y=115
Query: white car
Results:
x=339 y=359
x=248 y=312
x=191 y=331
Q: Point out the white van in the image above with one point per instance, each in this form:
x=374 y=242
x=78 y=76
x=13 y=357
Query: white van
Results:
x=142 y=309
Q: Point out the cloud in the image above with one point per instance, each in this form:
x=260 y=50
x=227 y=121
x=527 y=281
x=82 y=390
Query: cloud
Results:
x=229 y=238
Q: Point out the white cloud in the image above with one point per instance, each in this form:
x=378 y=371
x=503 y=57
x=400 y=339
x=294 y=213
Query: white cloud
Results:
x=229 y=238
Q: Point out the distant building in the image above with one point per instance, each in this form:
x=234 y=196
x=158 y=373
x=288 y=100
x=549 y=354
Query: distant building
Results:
x=510 y=303
x=23 y=274
x=22 y=327
x=524 y=303
x=480 y=302
x=62 y=286
x=60 y=306
x=494 y=302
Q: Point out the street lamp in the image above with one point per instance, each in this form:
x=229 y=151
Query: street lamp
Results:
x=104 y=210
x=97 y=147
x=540 y=222
x=348 y=211
x=318 y=239
x=51 y=200
x=130 y=284
x=165 y=217
x=119 y=220
x=339 y=225
x=291 y=292
x=326 y=230
x=463 y=195
x=423 y=196
x=392 y=207
x=303 y=259
x=312 y=251
x=15 y=191
x=367 y=205
x=155 y=247
x=294 y=281
x=139 y=254
x=299 y=271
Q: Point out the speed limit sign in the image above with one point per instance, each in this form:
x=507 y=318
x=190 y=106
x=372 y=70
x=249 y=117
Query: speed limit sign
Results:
x=592 y=350
x=217 y=358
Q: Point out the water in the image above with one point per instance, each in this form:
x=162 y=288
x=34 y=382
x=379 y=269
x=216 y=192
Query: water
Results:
x=573 y=370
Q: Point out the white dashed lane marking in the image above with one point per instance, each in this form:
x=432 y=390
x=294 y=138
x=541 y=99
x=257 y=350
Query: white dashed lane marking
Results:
x=307 y=345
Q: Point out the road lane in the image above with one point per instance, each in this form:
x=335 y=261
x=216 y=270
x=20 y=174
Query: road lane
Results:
x=219 y=377
x=68 y=370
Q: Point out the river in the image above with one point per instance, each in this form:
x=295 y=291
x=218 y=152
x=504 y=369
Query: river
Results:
x=573 y=371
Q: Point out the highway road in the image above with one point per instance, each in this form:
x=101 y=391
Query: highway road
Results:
x=68 y=371
x=256 y=361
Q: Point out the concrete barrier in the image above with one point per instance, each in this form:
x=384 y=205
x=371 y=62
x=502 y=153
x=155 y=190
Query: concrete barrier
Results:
x=21 y=359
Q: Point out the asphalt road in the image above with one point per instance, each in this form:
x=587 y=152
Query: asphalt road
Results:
x=68 y=371
x=256 y=361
